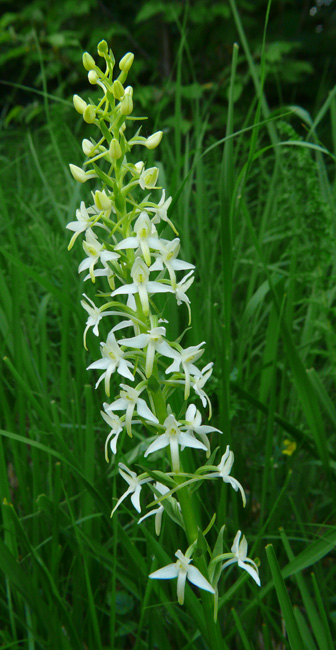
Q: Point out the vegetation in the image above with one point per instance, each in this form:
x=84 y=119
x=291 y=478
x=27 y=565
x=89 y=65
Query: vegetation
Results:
x=253 y=182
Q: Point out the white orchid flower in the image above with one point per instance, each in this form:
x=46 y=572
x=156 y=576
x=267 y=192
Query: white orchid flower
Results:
x=161 y=210
x=158 y=512
x=112 y=360
x=223 y=471
x=84 y=221
x=180 y=291
x=186 y=358
x=193 y=424
x=141 y=285
x=148 y=178
x=239 y=554
x=128 y=401
x=153 y=340
x=95 y=316
x=135 y=484
x=182 y=569
x=144 y=239
x=167 y=257
x=95 y=251
x=173 y=437
x=116 y=425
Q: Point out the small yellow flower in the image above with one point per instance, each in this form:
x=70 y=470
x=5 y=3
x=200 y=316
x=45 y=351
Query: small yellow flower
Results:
x=290 y=447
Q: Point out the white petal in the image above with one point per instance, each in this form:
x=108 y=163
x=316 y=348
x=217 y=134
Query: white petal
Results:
x=166 y=573
x=145 y=412
x=160 y=442
x=250 y=570
x=195 y=576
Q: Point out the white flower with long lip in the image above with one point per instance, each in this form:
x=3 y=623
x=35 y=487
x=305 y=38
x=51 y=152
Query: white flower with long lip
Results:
x=182 y=569
x=128 y=401
x=141 y=285
x=239 y=554
x=95 y=316
x=112 y=360
x=199 y=380
x=84 y=221
x=193 y=424
x=95 y=251
x=135 y=484
x=223 y=471
x=158 y=512
x=186 y=358
x=154 y=342
x=116 y=425
x=167 y=257
x=180 y=291
x=144 y=239
x=161 y=210
x=173 y=437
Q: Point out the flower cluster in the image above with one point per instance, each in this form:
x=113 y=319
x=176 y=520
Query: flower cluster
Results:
x=124 y=249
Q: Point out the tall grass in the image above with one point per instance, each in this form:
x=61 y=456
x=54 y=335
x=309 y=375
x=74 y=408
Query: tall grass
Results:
x=255 y=210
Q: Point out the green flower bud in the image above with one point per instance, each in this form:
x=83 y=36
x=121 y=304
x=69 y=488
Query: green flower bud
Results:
x=79 y=104
x=80 y=175
x=87 y=147
x=118 y=89
x=93 y=77
x=89 y=114
x=126 y=62
x=88 y=61
x=115 y=149
x=102 y=201
x=126 y=104
x=154 y=140
x=102 y=48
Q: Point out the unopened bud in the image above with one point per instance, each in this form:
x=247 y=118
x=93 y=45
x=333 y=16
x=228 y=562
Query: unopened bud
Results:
x=126 y=104
x=87 y=147
x=126 y=62
x=88 y=61
x=118 y=89
x=80 y=175
x=102 y=201
x=154 y=140
x=115 y=149
x=89 y=114
x=148 y=178
x=79 y=104
x=102 y=48
x=93 y=77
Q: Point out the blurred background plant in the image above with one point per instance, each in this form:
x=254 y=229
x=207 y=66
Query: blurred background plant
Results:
x=256 y=214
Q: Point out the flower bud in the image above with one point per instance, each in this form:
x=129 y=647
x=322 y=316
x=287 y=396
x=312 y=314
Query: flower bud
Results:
x=126 y=104
x=79 y=104
x=88 y=61
x=93 y=77
x=118 y=89
x=154 y=140
x=115 y=149
x=102 y=201
x=80 y=175
x=87 y=147
x=102 y=48
x=148 y=178
x=89 y=114
x=126 y=62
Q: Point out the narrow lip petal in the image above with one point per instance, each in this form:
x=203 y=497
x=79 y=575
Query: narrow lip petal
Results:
x=253 y=573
